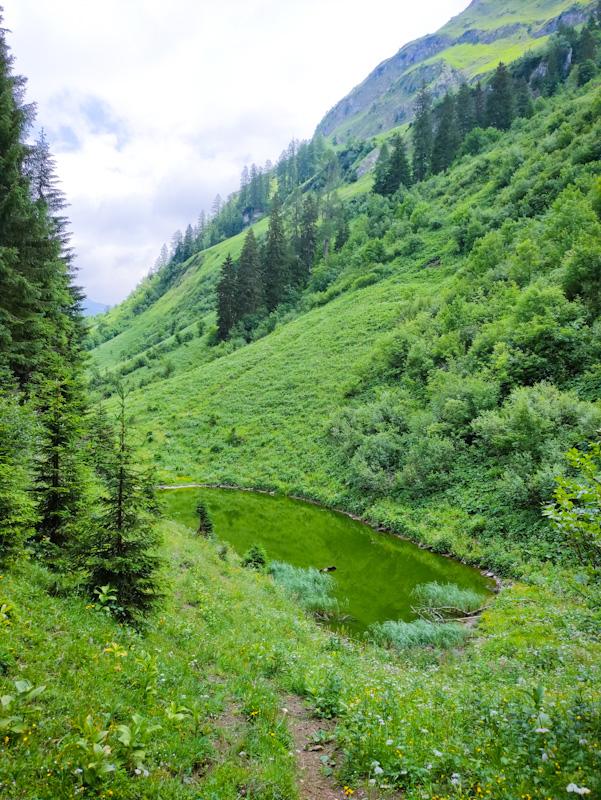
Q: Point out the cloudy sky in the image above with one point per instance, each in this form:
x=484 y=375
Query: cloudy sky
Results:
x=153 y=107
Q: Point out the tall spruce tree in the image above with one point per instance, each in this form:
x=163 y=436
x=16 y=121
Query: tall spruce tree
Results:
x=398 y=172
x=523 y=105
x=226 y=291
x=61 y=477
x=422 y=135
x=276 y=268
x=586 y=46
x=17 y=513
x=249 y=286
x=32 y=275
x=41 y=333
x=307 y=239
x=100 y=435
x=381 y=170
x=446 y=141
x=122 y=553
x=480 y=106
x=499 y=103
x=465 y=110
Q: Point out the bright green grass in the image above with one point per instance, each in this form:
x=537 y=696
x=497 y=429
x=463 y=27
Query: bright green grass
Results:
x=492 y=14
x=191 y=299
x=476 y=59
x=375 y=573
x=215 y=667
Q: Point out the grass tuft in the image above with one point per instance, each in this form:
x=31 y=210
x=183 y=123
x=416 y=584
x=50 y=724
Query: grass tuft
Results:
x=446 y=601
x=421 y=633
x=309 y=587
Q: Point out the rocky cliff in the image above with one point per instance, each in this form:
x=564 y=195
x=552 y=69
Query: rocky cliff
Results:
x=470 y=45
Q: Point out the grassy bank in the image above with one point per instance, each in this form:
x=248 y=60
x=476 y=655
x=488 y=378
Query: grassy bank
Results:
x=201 y=694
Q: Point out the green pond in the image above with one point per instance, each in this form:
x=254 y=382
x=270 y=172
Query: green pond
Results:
x=375 y=572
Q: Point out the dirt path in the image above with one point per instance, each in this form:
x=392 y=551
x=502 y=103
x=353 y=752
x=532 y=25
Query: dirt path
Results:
x=311 y=747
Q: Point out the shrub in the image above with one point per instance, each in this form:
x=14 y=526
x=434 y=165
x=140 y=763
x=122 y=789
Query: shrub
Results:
x=582 y=277
x=576 y=511
x=533 y=418
x=428 y=464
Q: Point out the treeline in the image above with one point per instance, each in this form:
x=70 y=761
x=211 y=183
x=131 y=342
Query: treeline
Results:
x=276 y=270
x=306 y=162
x=69 y=492
x=458 y=124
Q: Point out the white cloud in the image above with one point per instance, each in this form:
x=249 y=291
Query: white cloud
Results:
x=154 y=108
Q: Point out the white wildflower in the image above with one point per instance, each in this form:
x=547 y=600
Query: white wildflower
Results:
x=572 y=788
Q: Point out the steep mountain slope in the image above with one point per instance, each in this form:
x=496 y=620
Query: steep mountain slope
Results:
x=471 y=44
x=439 y=308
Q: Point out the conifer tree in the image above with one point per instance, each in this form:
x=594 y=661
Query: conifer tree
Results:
x=381 y=170
x=586 y=46
x=446 y=141
x=17 y=514
x=41 y=326
x=33 y=278
x=343 y=229
x=480 y=106
x=205 y=523
x=101 y=442
x=226 y=289
x=61 y=477
x=122 y=552
x=249 y=286
x=276 y=266
x=307 y=239
x=522 y=99
x=499 y=104
x=398 y=172
x=45 y=190
x=465 y=110
x=188 y=244
x=422 y=135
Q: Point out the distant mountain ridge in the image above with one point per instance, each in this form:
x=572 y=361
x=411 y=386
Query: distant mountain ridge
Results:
x=471 y=44
x=91 y=307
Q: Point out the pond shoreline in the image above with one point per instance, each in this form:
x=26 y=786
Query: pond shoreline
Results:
x=498 y=583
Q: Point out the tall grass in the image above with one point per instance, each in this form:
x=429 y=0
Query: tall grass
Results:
x=421 y=633
x=446 y=600
x=309 y=587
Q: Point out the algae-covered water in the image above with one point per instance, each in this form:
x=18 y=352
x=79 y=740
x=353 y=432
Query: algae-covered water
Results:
x=375 y=572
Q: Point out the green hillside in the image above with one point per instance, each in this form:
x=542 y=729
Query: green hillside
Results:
x=410 y=334
x=287 y=411
x=467 y=47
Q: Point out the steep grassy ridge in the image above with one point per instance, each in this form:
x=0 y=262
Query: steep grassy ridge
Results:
x=471 y=44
